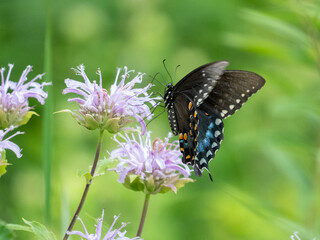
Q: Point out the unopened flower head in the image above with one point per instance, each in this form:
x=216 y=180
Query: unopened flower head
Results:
x=7 y=144
x=151 y=167
x=112 y=110
x=14 y=106
x=111 y=234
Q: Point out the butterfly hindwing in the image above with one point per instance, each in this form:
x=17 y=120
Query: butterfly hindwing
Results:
x=209 y=138
x=232 y=90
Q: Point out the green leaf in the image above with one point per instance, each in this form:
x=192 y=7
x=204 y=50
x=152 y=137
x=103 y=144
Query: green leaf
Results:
x=150 y=184
x=90 y=122
x=86 y=174
x=17 y=227
x=3 y=165
x=27 y=117
x=40 y=231
x=135 y=185
x=5 y=233
x=104 y=164
x=179 y=183
x=112 y=125
x=3 y=120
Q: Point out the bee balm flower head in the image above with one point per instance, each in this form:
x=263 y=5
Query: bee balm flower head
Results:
x=151 y=167
x=113 y=110
x=14 y=105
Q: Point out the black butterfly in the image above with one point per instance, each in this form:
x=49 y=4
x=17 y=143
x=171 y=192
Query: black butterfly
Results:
x=197 y=104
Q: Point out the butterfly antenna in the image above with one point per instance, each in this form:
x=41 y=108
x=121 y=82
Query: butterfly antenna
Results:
x=175 y=72
x=154 y=108
x=156 y=116
x=165 y=67
x=154 y=78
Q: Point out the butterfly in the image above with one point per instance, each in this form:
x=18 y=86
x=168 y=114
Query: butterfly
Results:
x=199 y=102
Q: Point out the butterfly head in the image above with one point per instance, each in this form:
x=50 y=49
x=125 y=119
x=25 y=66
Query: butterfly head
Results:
x=168 y=96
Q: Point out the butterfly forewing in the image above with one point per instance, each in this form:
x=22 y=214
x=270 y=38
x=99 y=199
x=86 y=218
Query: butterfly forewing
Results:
x=198 y=84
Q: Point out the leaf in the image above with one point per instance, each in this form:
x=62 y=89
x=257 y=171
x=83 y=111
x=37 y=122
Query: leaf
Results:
x=112 y=125
x=18 y=227
x=40 y=230
x=3 y=119
x=276 y=25
x=135 y=185
x=103 y=165
x=27 y=117
x=3 y=165
x=90 y=122
x=5 y=233
x=86 y=174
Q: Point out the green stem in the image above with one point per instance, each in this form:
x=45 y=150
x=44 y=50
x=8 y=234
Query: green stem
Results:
x=143 y=215
x=47 y=116
x=85 y=192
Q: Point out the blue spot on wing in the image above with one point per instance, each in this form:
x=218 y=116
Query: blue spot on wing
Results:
x=200 y=147
x=211 y=126
x=209 y=134
x=206 y=142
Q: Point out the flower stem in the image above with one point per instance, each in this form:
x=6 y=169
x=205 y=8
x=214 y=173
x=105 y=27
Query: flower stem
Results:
x=85 y=192
x=144 y=213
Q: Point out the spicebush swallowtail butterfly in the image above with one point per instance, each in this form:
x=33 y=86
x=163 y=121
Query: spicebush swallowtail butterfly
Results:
x=200 y=101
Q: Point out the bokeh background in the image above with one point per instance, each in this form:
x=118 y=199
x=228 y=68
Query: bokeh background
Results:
x=267 y=172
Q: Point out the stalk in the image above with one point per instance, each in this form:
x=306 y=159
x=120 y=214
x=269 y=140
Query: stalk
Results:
x=85 y=192
x=143 y=215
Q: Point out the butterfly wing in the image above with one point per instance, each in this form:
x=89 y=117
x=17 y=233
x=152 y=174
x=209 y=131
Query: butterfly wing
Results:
x=183 y=114
x=197 y=85
x=209 y=138
x=232 y=90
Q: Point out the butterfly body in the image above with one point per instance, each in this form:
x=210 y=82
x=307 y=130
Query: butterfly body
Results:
x=199 y=102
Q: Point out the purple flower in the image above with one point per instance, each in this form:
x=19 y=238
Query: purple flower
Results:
x=111 y=111
x=6 y=144
x=111 y=234
x=14 y=106
x=157 y=166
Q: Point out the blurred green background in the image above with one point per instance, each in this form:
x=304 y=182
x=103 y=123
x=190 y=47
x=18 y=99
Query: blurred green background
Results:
x=267 y=172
